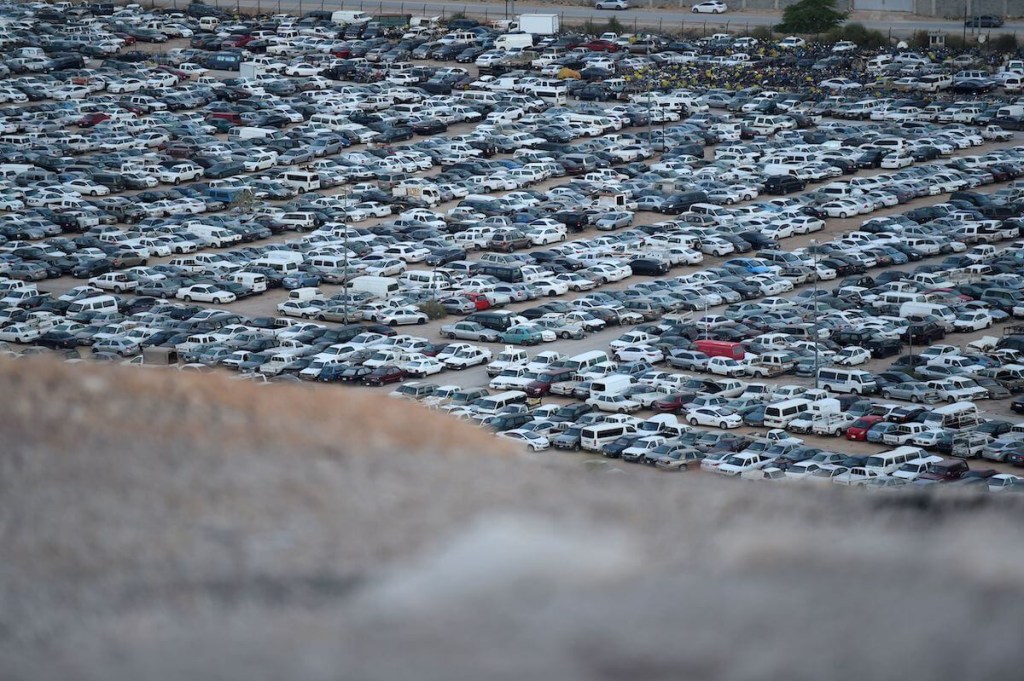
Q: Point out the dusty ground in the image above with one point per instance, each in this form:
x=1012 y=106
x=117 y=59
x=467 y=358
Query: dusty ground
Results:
x=163 y=526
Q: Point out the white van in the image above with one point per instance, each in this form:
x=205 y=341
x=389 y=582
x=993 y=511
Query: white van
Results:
x=852 y=381
x=254 y=281
x=343 y=17
x=510 y=40
x=956 y=415
x=613 y=384
x=780 y=415
x=585 y=361
x=87 y=308
x=245 y=132
x=379 y=287
x=305 y=293
x=303 y=180
x=887 y=463
x=592 y=438
x=917 y=309
x=278 y=263
x=478 y=96
x=901 y=297
x=426 y=279
x=218 y=237
x=492 y=404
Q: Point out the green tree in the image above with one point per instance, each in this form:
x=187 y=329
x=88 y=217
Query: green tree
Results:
x=811 y=16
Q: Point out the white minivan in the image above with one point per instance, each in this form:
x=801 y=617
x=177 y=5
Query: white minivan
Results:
x=852 y=381
x=593 y=438
x=87 y=308
x=780 y=415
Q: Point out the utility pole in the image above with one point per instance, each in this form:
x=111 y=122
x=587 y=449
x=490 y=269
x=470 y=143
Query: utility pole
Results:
x=817 y=333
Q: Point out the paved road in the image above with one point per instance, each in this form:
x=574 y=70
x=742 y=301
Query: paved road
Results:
x=669 y=20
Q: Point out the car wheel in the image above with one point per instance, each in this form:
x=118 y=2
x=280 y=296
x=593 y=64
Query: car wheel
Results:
x=393 y=322
x=421 y=320
x=915 y=399
x=188 y=299
x=855 y=391
x=693 y=422
x=451 y=336
x=565 y=335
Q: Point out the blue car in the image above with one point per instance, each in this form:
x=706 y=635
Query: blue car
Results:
x=300 y=280
x=748 y=265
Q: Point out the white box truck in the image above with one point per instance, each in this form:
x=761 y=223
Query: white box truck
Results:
x=539 y=24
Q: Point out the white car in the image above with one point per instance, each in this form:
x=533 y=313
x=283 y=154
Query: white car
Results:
x=710 y=7
x=467 y=357
x=205 y=293
x=612 y=4
x=550 y=286
x=303 y=309
x=408 y=253
x=851 y=356
x=422 y=366
x=714 y=416
x=973 y=321
x=402 y=316
x=897 y=160
x=840 y=84
x=639 y=353
x=385 y=267
x=792 y=42
x=534 y=441
x=541 y=236
x=614 y=403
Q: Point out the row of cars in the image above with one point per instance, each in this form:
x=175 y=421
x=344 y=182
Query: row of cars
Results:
x=673 y=444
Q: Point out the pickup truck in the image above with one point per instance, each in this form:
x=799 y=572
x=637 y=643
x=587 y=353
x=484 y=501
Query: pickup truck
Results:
x=760 y=369
x=509 y=357
x=856 y=476
x=1010 y=377
x=832 y=424
x=566 y=388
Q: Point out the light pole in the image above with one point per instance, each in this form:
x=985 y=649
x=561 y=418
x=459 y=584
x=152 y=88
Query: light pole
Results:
x=817 y=333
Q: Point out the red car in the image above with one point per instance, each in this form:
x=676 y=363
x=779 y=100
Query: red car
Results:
x=479 y=299
x=672 y=404
x=602 y=46
x=91 y=119
x=858 y=430
x=389 y=373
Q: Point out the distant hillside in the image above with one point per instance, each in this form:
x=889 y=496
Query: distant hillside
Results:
x=161 y=526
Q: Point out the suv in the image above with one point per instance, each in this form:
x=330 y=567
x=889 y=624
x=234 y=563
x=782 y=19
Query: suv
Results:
x=784 y=184
x=922 y=333
x=945 y=471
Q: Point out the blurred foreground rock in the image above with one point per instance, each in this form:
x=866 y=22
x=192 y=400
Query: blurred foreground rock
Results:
x=160 y=526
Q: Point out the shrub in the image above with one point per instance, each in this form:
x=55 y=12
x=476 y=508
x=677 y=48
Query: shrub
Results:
x=811 y=16
x=1004 y=42
x=433 y=309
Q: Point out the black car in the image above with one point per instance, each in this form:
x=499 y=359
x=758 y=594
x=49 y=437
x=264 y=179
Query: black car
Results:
x=983 y=21
x=884 y=347
x=92 y=268
x=651 y=267
x=923 y=333
x=784 y=184
x=429 y=127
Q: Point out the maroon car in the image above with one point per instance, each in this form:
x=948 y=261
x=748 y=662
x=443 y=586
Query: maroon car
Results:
x=946 y=471
x=673 y=403
x=389 y=373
